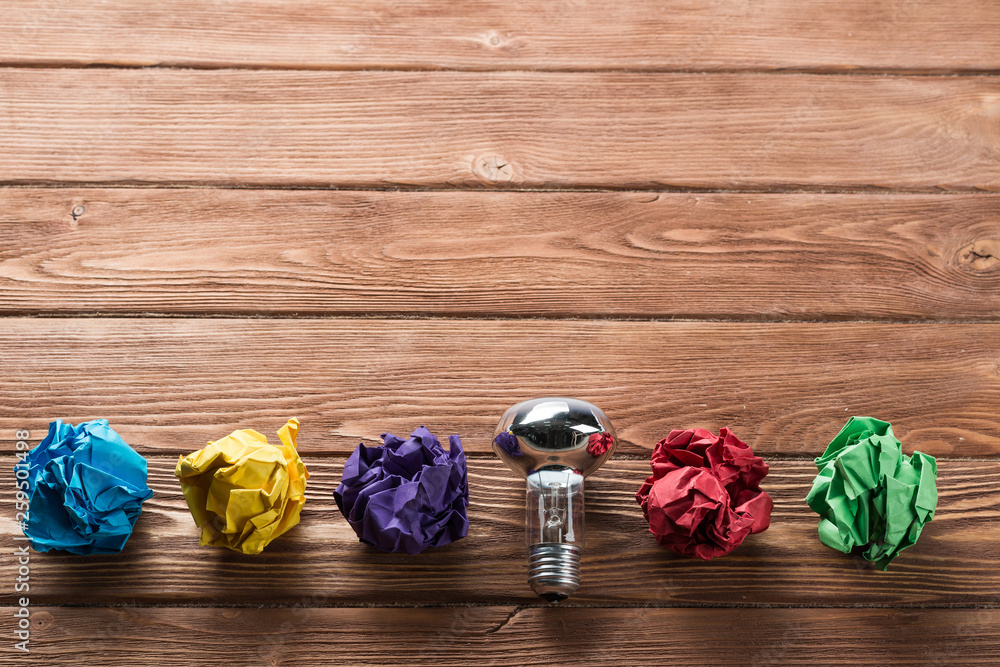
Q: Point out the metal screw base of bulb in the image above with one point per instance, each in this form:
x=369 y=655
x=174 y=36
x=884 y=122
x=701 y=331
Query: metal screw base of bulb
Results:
x=554 y=570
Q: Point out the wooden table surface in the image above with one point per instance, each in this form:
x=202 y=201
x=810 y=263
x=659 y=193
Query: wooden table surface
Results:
x=376 y=214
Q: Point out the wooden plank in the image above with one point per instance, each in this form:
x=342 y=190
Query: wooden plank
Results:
x=321 y=563
x=169 y=385
x=503 y=129
x=517 y=34
x=585 y=254
x=508 y=635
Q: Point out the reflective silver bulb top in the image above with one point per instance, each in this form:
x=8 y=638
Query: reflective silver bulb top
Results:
x=554 y=443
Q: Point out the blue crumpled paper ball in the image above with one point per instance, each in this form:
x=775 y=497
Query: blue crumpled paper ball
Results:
x=406 y=495
x=86 y=487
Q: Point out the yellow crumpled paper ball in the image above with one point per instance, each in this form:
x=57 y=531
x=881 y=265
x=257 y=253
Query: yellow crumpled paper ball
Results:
x=242 y=491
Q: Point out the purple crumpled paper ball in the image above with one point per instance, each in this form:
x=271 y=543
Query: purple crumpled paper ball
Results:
x=406 y=495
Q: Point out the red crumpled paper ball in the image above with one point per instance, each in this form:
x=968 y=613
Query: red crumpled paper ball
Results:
x=704 y=495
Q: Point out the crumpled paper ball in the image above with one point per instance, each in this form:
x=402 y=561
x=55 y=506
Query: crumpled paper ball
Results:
x=869 y=495
x=704 y=495
x=406 y=495
x=85 y=489
x=244 y=492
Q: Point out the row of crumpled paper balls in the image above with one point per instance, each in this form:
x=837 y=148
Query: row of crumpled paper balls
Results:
x=85 y=488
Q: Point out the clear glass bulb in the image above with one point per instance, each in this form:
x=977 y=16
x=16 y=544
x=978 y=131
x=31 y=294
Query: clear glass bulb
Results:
x=555 y=531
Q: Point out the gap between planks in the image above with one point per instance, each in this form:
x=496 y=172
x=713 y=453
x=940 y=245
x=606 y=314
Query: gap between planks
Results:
x=403 y=188
x=900 y=72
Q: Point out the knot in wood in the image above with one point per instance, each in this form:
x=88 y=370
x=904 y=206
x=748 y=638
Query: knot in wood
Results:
x=493 y=169
x=980 y=255
x=41 y=620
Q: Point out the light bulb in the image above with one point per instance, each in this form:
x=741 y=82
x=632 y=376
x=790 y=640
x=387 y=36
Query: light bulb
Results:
x=554 y=443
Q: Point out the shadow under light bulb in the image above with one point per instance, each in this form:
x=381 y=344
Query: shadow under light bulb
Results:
x=555 y=443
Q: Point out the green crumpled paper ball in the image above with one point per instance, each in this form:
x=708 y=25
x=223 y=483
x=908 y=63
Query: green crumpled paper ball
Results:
x=869 y=494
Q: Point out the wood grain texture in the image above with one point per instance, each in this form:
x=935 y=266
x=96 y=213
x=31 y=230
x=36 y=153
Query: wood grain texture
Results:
x=499 y=129
x=321 y=563
x=508 y=635
x=585 y=254
x=836 y=251
x=734 y=35
x=169 y=385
